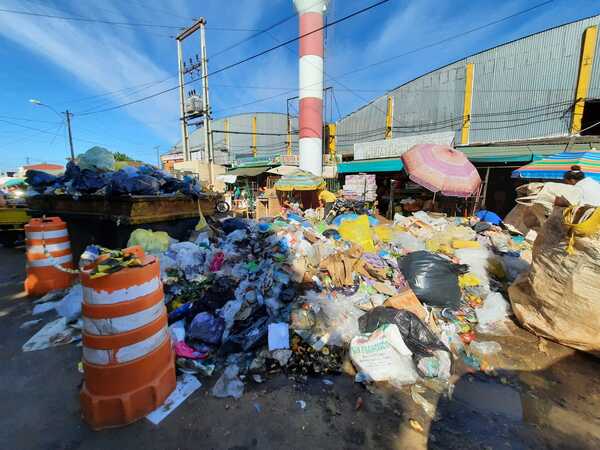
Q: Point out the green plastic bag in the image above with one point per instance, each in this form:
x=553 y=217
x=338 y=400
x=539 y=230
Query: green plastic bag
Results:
x=153 y=242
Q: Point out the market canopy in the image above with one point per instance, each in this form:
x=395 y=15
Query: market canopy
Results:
x=372 y=165
x=10 y=182
x=441 y=169
x=283 y=170
x=248 y=171
x=300 y=180
x=555 y=166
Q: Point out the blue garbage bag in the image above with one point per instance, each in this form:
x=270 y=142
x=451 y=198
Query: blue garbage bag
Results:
x=89 y=181
x=40 y=180
x=488 y=216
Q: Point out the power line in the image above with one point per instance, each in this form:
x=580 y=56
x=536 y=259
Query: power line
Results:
x=260 y=32
x=230 y=66
x=450 y=38
x=87 y=19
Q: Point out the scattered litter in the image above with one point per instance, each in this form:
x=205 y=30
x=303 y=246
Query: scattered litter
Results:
x=43 y=307
x=186 y=386
x=53 y=334
x=485 y=347
x=279 y=336
x=327 y=381
x=415 y=425
x=301 y=404
x=257 y=407
x=29 y=323
x=229 y=385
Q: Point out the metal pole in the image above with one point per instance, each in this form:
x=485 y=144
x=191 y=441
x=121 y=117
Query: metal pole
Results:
x=206 y=105
x=68 y=114
x=157 y=147
x=184 y=132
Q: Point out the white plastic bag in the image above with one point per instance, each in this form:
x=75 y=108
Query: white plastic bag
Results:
x=495 y=309
x=383 y=356
x=70 y=306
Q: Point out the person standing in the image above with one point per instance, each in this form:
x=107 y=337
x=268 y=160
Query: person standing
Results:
x=326 y=200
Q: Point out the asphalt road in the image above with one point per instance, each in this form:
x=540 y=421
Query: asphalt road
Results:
x=551 y=402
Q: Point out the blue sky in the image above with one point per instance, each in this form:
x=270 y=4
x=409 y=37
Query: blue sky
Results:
x=75 y=65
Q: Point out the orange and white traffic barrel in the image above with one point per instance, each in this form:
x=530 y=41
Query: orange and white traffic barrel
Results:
x=49 y=259
x=128 y=361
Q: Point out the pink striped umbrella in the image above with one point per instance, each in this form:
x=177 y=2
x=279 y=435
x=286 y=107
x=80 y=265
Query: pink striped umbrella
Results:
x=441 y=169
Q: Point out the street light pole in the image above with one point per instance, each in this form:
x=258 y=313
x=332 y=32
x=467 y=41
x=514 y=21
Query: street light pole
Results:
x=67 y=114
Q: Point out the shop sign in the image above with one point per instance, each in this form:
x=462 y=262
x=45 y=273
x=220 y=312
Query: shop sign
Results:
x=392 y=148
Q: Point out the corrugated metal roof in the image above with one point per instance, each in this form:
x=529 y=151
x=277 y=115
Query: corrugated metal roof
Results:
x=248 y=171
x=522 y=90
x=236 y=144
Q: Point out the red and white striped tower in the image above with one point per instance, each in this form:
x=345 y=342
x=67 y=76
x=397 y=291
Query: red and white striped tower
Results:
x=311 y=84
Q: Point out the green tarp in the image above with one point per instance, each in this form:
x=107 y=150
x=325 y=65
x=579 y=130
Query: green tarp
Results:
x=371 y=165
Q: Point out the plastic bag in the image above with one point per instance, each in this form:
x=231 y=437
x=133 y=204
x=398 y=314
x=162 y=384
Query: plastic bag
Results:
x=153 y=242
x=433 y=279
x=419 y=339
x=359 y=232
x=39 y=180
x=70 y=306
x=229 y=385
x=97 y=158
x=495 y=308
x=383 y=355
x=383 y=232
x=207 y=328
x=485 y=347
x=407 y=242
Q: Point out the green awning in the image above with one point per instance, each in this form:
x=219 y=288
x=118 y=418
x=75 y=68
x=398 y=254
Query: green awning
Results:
x=371 y=165
x=513 y=153
x=248 y=171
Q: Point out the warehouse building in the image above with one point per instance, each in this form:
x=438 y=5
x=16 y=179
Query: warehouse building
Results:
x=503 y=107
x=249 y=139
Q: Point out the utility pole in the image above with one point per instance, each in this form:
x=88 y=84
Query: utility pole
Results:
x=69 y=114
x=157 y=148
x=184 y=130
x=206 y=104
x=208 y=141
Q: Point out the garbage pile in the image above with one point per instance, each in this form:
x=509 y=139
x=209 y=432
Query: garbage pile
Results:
x=399 y=302
x=96 y=173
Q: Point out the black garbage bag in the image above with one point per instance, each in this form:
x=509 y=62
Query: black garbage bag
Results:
x=171 y=184
x=250 y=332
x=416 y=335
x=433 y=279
x=230 y=225
x=207 y=328
x=89 y=181
x=71 y=172
x=40 y=180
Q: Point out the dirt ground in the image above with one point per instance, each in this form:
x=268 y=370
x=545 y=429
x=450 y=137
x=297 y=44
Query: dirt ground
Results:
x=538 y=396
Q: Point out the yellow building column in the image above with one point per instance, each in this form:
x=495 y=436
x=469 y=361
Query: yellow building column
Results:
x=389 y=117
x=254 y=136
x=289 y=136
x=466 y=127
x=331 y=144
x=588 y=49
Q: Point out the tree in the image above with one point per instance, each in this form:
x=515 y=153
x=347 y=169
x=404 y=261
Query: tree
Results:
x=122 y=157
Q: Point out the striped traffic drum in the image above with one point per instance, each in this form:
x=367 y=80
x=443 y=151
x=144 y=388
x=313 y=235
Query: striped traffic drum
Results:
x=128 y=360
x=49 y=259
